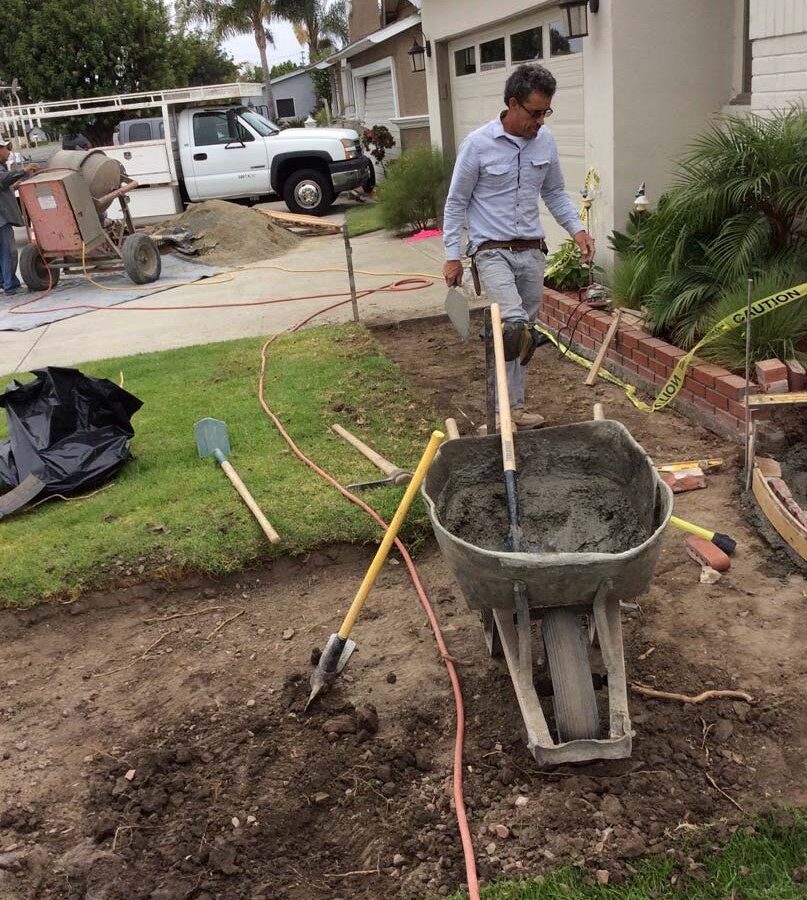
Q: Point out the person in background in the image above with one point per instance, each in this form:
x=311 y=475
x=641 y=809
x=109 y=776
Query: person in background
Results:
x=10 y=216
x=501 y=171
x=75 y=142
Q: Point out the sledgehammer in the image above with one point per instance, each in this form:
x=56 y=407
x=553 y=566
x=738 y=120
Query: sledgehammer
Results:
x=395 y=475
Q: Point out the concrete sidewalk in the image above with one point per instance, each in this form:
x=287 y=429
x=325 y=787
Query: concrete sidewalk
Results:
x=115 y=332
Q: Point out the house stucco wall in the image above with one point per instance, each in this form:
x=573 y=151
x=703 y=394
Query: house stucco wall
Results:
x=778 y=31
x=298 y=88
x=411 y=85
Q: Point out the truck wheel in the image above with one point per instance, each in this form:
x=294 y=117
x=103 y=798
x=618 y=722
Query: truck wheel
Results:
x=35 y=273
x=308 y=191
x=141 y=259
x=574 y=700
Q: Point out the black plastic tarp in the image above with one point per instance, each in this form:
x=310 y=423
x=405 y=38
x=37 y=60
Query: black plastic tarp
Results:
x=69 y=430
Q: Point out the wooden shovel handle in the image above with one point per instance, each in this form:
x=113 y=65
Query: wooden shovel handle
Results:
x=376 y=459
x=239 y=485
x=600 y=357
x=506 y=422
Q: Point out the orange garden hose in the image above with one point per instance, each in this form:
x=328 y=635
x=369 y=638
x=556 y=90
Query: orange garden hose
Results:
x=410 y=283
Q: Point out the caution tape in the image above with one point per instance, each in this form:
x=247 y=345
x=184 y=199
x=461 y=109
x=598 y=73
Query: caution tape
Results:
x=629 y=389
x=736 y=319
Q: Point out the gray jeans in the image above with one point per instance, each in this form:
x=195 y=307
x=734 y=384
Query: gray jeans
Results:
x=516 y=282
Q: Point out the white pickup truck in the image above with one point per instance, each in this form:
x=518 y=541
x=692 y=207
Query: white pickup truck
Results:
x=230 y=152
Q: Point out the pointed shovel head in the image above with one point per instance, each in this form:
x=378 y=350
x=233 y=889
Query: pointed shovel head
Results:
x=459 y=312
x=211 y=435
x=330 y=665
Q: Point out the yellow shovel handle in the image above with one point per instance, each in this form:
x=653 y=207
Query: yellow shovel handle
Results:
x=392 y=532
x=692 y=529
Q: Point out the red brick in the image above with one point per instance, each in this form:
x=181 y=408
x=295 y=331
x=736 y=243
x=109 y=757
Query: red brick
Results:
x=659 y=367
x=646 y=374
x=627 y=339
x=630 y=365
x=587 y=342
x=655 y=343
x=707 y=554
x=737 y=408
x=731 y=386
x=769 y=371
x=796 y=375
x=706 y=373
x=596 y=323
x=718 y=401
x=703 y=403
x=696 y=387
x=687 y=395
x=640 y=358
x=669 y=354
x=782 y=491
x=776 y=387
x=684 y=480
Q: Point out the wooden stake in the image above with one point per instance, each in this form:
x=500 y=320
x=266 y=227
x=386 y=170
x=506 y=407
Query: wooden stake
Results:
x=600 y=357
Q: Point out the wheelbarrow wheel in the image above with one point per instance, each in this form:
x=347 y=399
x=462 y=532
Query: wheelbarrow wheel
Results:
x=34 y=271
x=141 y=258
x=574 y=700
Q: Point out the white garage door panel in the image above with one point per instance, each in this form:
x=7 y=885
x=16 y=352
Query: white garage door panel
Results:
x=478 y=98
x=379 y=106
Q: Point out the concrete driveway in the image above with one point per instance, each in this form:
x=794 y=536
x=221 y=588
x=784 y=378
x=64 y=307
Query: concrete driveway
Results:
x=115 y=332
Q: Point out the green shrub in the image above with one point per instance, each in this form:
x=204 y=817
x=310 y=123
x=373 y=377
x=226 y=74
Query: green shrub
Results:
x=564 y=271
x=738 y=208
x=774 y=335
x=413 y=193
x=622 y=280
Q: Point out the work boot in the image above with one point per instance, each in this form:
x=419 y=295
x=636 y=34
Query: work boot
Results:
x=524 y=420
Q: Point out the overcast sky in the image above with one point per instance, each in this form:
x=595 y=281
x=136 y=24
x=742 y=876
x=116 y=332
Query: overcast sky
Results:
x=244 y=48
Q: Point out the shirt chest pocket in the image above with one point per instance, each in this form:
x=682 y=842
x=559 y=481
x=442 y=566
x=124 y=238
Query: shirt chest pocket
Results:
x=533 y=173
x=498 y=176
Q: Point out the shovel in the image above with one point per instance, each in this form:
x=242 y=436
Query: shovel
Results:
x=459 y=312
x=339 y=648
x=212 y=440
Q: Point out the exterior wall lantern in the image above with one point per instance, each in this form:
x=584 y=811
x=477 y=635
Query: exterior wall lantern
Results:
x=576 y=13
x=417 y=55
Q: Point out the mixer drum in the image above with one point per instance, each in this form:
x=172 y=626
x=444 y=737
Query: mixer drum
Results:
x=102 y=174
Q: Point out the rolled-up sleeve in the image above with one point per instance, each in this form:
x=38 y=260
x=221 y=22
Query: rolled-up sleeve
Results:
x=557 y=200
x=463 y=182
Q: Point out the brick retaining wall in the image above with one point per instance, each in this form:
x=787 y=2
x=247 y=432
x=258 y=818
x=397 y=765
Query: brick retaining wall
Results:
x=711 y=395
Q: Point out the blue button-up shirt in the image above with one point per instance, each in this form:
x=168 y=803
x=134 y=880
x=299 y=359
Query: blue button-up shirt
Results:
x=497 y=181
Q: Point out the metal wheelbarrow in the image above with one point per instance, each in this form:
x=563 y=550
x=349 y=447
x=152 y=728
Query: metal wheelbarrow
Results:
x=597 y=538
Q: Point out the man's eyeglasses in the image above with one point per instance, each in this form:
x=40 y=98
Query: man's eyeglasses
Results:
x=536 y=114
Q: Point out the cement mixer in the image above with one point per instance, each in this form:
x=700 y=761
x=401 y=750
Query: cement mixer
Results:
x=65 y=208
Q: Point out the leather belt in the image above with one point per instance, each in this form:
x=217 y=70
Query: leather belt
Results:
x=515 y=246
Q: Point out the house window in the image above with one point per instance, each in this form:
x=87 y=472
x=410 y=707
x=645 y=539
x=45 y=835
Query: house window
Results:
x=491 y=55
x=465 y=61
x=285 y=109
x=560 y=44
x=526 y=46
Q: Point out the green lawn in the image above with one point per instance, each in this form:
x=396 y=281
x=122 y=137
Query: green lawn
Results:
x=752 y=866
x=167 y=508
x=364 y=219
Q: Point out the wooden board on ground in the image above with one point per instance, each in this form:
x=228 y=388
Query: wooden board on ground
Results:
x=794 y=399
x=788 y=528
x=298 y=222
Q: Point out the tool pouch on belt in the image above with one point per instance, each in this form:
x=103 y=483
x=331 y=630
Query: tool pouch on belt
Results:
x=475 y=277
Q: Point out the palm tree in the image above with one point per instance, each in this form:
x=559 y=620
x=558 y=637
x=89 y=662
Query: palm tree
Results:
x=320 y=25
x=229 y=18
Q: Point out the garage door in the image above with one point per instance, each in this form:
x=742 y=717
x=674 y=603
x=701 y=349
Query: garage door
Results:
x=480 y=63
x=379 y=105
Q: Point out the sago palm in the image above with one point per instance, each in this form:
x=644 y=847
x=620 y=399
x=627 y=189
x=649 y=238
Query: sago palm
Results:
x=739 y=206
x=231 y=18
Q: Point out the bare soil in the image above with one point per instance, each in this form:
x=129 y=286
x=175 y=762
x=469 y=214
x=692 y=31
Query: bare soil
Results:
x=143 y=758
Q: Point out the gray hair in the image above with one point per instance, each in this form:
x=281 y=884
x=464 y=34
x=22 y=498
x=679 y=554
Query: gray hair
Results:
x=527 y=79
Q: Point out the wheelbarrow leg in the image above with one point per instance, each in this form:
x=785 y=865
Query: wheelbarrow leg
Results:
x=608 y=620
x=492 y=638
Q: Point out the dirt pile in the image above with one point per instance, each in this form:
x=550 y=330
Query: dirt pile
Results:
x=231 y=234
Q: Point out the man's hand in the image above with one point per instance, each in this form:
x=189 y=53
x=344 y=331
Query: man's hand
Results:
x=30 y=169
x=452 y=272
x=586 y=244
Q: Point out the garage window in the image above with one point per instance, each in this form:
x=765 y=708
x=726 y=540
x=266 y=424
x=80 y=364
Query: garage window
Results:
x=491 y=55
x=526 y=46
x=465 y=61
x=285 y=109
x=560 y=44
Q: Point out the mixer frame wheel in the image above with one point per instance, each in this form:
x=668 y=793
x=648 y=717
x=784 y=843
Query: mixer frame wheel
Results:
x=141 y=258
x=34 y=269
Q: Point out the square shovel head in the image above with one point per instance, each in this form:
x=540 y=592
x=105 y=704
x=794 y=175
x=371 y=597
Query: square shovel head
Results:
x=459 y=312
x=211 y=435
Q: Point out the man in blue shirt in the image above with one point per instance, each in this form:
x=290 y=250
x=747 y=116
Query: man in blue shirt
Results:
x=501 y=170
x=9 y=217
